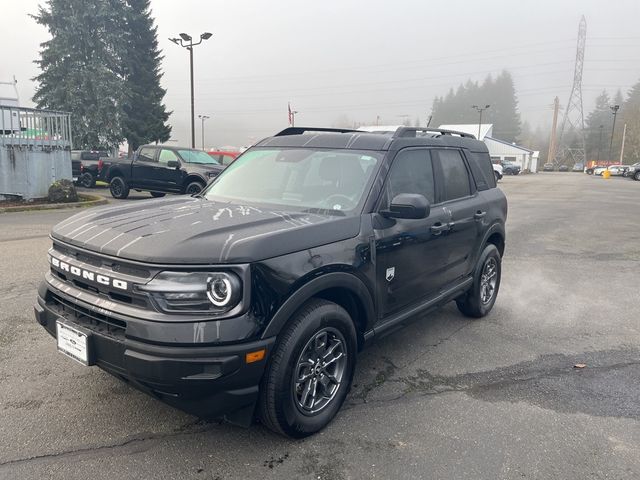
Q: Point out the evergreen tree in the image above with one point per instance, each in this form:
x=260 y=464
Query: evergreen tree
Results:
x=79 y=68
x=145 y=114
x=598 y=128
x=631 y=116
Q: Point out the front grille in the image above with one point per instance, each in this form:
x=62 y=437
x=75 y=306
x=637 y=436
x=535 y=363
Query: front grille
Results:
x=84 y=317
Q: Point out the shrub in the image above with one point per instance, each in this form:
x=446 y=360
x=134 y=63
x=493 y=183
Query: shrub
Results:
x=62 y=191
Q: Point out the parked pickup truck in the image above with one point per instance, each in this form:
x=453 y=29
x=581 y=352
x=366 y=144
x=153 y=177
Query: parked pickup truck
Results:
x=87 y=166
x=161 y=169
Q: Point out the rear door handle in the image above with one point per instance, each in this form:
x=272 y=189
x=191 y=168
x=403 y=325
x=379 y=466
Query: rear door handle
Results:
x=479 y=215
x=438 y=228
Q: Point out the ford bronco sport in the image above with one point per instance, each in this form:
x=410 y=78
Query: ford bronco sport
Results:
x=252 y=298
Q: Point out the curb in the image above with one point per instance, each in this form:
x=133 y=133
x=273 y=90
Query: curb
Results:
x=87 y=201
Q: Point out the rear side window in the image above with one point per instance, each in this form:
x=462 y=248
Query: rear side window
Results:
x=147 y=155
x=455 y=178
x=482 y=170
x=411 y=172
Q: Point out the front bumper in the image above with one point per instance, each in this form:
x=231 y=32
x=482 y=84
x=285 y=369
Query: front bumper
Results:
x=209 y=381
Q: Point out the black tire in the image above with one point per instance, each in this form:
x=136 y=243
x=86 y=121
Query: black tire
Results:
x=636 y=176
x=497 y=175
x=157 y=194
x=474 y=303
x=119 y=188
x=279 y=407
x=193 y=188
x=87 y=180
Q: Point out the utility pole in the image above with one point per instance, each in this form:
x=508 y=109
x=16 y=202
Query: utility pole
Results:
x=203 y=118
x=182 y=42
x=480 y=110
x=551 y=156
x=614 y=110
x=624 y=135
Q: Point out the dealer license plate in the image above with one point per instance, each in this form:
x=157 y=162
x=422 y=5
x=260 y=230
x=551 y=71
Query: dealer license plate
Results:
x=72 y=342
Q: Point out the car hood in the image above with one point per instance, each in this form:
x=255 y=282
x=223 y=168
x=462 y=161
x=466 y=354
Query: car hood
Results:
x=186 y=230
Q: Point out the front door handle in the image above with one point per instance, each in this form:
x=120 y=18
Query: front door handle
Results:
x=438 y=228
x=479 y=215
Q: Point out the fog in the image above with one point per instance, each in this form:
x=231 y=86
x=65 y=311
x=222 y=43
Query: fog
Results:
x=355 y=61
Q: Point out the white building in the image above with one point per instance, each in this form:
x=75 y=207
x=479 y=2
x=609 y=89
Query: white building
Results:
x=500 y=150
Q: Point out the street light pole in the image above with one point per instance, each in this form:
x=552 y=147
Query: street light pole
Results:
x=614 y=110
x=186 y=41
x=601 y=127
x=203 y=118
x=480 y=110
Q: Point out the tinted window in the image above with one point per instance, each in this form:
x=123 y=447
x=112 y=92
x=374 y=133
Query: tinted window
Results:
x=455 y=179
x=166 y=156
x=147 y=155
x=482 y=170
x=411 y=172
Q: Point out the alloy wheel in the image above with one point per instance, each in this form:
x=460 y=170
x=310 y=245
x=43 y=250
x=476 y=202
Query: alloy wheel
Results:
x=488 y=280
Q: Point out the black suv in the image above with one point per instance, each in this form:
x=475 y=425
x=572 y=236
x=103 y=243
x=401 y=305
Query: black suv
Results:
x=253 y=298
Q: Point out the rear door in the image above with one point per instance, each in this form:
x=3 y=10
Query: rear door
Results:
x=143 y=168
x=463 y=207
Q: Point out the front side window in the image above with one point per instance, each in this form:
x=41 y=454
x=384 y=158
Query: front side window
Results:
x=166 y=156
x=411 y=172
x=455 y=178
x=197 y=156
x=306 y=179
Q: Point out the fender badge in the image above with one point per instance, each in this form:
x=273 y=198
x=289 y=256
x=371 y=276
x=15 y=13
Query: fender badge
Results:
x=391 y=272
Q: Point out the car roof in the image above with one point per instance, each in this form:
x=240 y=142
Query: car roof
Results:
x=359 y=140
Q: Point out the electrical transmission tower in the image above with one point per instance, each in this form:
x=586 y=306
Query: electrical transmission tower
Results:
x=573 y=119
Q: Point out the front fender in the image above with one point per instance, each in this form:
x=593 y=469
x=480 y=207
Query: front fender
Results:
x=326 y=281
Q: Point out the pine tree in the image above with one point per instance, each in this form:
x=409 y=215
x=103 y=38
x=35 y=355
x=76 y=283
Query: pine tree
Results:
x=79 y=68
x=145 y=114
x=631 y=116
x=598 y=128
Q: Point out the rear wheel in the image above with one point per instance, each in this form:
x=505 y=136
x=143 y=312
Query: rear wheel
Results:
x=87 y=180
x=119 y=188
x=193 y=188
x=497 y=175
x=157 y=194
x=310 y=370
x=479 y=300
x=636 y=176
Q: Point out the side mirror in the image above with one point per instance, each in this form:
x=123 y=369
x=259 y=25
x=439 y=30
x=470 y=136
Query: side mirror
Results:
x=173 y=164
x=408 y=205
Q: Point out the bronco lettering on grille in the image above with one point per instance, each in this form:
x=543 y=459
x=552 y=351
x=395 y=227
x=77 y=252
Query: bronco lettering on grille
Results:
x=89 y=275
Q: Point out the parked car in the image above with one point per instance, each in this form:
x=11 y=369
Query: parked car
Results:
x=161 y=169
x=253 y=298
x=223 y=157
x=497 y=171
x=88 y=166
x=578 y=167
x=510 y=168
x=599 y=169
x=633 y=171
x=548 y=167
x=618 y=170
x=563 y=168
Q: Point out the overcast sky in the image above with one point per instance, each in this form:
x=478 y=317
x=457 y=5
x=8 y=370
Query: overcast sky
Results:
x=360 y=59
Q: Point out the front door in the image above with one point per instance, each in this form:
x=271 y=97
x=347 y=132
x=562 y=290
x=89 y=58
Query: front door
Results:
x=409 y=251
x=166 y=177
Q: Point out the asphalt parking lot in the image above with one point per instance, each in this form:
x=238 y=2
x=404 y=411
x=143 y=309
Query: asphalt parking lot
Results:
x=446 y=398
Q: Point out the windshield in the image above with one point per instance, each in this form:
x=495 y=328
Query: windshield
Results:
x=196 y=156
x=300 y=178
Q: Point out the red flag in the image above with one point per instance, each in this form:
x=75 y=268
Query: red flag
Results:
x=290 y=114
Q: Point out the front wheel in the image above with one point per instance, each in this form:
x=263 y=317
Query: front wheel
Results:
x=119 y=188
x=193 y=188
x=310 y=370
x=636 y=176
x=479 y=300
x=497 y=175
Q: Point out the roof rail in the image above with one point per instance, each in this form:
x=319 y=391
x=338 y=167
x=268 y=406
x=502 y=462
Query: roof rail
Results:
x=413 y=131
x=301 y=130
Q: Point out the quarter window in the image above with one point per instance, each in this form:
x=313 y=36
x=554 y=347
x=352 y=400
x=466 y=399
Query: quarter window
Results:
x=455 y=178
x=411 y=172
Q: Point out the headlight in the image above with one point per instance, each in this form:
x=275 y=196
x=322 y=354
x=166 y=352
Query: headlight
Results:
x=197 y=292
